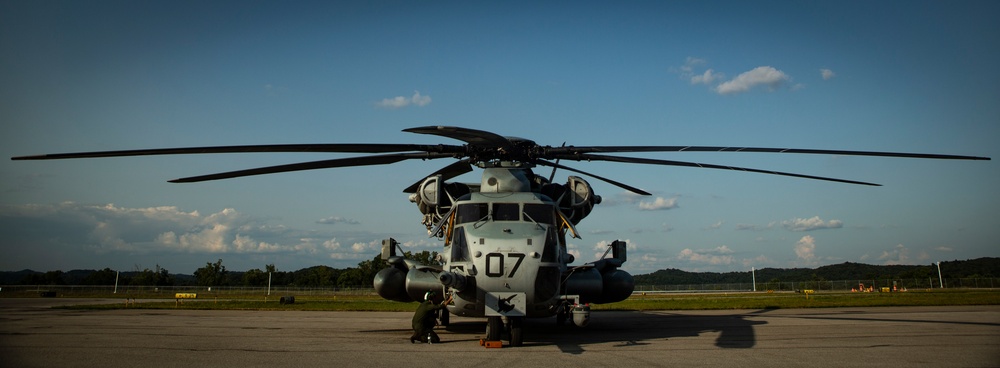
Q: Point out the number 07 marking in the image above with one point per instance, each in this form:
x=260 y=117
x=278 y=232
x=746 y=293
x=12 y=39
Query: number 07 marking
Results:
x=495 y=263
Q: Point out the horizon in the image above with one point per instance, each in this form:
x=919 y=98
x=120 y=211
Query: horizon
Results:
x=664 y=269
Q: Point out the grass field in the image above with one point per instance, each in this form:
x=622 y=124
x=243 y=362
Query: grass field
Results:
x=636 y=302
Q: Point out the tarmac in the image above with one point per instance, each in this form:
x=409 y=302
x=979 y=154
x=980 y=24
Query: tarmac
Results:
x=33 y=334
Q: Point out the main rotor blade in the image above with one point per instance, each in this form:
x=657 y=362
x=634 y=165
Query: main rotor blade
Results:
x=470 y=136
x=552 y=152
x=345 y=148
x=606 y=180
x=447 y=172
x=552 y=176
x=635 y=160
x=313 y=165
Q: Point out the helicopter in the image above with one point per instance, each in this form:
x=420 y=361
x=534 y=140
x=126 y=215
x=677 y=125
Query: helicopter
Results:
x=504 y=254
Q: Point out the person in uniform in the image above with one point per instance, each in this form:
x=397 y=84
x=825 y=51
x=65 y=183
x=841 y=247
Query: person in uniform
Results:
x=425 y=318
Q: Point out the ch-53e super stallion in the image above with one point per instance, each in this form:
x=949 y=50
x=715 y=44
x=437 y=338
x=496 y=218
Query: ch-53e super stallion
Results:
x=504 y=255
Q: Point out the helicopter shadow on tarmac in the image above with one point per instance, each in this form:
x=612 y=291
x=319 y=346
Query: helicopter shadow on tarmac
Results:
x=632 y=328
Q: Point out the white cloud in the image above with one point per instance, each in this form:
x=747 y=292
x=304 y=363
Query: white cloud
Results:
x=757 y=262
x=246 y=244
x=331 y=244
x=810 y=224
x=659 y=204
x=827 y=74
x=721 y=255
x=337 y=220
x=69 y=235
x=690 y=63
x=394 y=103
x=604 y=245
x=759 y=76
x=576 y=254
x=419 y=100
x=419 y=245
x=805 y=249
x=708 y=77
x=687 y=72
x=110 y=228
x=399 y=102
x=209 y=238
x=897 y=255
x=273 y=90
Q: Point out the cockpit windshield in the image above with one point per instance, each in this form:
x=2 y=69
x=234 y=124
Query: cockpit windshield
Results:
x=471 y=212
x=540 y=213
x=533 y=212
x=506 y=212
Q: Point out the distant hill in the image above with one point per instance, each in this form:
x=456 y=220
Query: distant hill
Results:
x=974 y=268
x=77 y=277
x=322 y=276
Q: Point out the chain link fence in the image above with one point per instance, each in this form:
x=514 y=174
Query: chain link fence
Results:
x=826 y=285
x=223 y=291
x=132 y=291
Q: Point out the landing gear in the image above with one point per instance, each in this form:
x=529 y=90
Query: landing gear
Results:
x=494 y=326
x=444 y=317
x=514 y=329
x=562 y=314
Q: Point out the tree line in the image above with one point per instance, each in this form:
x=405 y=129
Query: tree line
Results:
x=975 y=268
x=216 y=274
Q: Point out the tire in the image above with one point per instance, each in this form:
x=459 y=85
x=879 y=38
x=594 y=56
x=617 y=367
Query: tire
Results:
x=445 y=317
x=516 y=331
x=494 y=326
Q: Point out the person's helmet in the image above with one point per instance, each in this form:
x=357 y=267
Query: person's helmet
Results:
x=429 y=295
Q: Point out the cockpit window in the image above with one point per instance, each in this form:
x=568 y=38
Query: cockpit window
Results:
x=506 y=212
x=459 y=248
x=551 y=241
x=540 y=213
x=535 y=212
x=471 y=212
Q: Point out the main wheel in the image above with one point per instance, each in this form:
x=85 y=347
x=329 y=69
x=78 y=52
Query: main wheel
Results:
x=516 y=330
x=494 y=326
x=445 y=317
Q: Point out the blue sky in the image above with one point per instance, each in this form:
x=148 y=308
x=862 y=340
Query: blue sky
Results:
x=855 y=75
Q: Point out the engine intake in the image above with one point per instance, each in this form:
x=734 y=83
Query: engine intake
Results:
x=434 y=197
x=575 y=199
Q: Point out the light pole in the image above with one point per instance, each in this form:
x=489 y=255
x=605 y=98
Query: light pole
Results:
x=940 y=280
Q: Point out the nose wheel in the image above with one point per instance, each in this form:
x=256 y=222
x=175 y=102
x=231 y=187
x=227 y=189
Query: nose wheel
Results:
x=514 y=329
x=494 y=325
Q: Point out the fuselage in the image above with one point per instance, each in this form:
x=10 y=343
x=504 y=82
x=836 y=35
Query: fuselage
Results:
x=504 y=252
x=510 y=252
